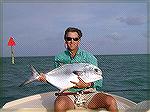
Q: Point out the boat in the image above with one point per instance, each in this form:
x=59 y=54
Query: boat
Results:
x=44 y=103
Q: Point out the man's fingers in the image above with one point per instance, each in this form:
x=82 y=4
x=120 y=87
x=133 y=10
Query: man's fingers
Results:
x=42 y=77
x=42 y=74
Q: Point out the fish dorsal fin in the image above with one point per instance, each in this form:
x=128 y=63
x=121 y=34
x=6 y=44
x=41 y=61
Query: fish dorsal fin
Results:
x=78 y=73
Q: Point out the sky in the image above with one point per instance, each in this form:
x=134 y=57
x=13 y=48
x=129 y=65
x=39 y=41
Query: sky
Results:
x=108 y=28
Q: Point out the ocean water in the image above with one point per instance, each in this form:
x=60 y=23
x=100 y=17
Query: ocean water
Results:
x=124 y=75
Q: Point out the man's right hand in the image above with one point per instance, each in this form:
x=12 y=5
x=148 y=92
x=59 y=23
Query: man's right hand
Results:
x=42 y=77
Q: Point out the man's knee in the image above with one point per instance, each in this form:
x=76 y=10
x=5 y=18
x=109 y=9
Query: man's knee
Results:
x=101 y=100
x=60 y=101
x=110 y=100
x=63 y=103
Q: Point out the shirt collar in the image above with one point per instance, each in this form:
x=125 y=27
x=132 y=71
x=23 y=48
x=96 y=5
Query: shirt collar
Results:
x=78 y=52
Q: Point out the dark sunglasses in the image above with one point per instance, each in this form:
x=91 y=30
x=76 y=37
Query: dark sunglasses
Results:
x=69 y=39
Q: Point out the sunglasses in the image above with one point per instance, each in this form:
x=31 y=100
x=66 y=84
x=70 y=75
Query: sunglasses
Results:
x=69 y=39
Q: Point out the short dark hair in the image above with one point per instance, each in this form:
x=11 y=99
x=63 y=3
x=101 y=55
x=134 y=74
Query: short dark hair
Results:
x=72 y=29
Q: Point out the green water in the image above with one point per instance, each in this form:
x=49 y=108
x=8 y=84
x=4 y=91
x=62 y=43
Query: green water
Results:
x=127 y=75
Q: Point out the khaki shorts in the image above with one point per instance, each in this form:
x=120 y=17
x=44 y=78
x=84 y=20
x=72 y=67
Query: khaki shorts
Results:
x=88 y=97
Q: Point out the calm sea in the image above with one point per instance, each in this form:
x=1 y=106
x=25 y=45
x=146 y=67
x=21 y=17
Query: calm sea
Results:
x=124 y=75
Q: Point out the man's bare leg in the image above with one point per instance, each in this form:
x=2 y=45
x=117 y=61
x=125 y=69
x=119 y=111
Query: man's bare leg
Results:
x=63 y=103
x=101 y=100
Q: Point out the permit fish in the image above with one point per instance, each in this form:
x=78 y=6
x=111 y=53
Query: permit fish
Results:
x=60 y=77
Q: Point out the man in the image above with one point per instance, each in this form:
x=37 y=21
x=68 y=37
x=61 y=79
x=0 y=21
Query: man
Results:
x=74 y=54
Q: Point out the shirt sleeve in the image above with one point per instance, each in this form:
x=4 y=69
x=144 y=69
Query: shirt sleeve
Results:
x=57 y=62
x=90 y=58
x=98 y=84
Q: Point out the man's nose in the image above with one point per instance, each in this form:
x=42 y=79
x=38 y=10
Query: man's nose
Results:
x=72 y=40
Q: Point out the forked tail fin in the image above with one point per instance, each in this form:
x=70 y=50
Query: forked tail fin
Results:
x=34 y=77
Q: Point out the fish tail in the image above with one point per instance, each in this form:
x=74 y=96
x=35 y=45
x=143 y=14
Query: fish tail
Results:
x=34 y=72
x=34 y=77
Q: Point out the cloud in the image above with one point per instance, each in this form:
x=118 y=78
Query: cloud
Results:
x=132 y=20
x=114 y=36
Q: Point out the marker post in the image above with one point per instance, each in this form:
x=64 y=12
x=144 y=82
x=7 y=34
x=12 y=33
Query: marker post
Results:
x=12 y=43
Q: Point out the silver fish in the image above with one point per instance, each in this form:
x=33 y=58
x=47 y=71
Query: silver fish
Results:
x=60 y=77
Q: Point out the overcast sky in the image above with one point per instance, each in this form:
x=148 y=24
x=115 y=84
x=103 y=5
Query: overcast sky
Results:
x=108 y=28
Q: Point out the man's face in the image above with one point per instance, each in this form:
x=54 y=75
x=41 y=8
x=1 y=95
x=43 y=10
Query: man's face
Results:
x=72 y=40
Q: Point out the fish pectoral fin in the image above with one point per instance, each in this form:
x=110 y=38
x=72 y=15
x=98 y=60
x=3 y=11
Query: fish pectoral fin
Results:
x=78 y=73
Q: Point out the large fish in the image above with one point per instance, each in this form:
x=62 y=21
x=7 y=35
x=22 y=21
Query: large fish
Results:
x=60 y=77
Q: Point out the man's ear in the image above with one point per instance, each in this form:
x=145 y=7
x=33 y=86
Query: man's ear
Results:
x=65 y=44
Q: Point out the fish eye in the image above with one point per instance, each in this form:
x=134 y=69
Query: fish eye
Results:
x=96 y=70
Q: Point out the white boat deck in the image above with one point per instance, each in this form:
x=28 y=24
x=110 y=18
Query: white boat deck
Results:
x=44 y=103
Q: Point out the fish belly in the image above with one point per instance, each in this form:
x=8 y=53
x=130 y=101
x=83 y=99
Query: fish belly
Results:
x=62 y=81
